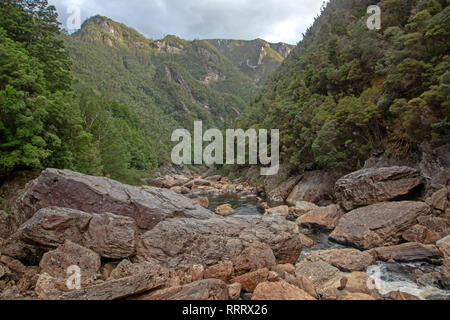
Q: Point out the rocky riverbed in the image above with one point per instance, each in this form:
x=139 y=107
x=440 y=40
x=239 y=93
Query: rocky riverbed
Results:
x=206 y=238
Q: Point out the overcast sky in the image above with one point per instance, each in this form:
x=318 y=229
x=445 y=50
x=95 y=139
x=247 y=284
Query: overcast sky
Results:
x=271 y=20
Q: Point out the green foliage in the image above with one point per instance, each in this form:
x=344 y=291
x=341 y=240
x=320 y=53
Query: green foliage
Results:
x=39 y=124
x=346 y=92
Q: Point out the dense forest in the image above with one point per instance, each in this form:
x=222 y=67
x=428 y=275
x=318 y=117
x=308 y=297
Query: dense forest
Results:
x=347 y=92
x=105 y=100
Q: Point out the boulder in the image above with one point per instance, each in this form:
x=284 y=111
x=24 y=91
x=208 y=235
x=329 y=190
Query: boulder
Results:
x=346 y=260
x=63 y=188
x=356 y=296
x=325 y=218
x=174 y=277
x=279 y=291
x=421 y=234
x=198 y=183
x=280 y=193
x=222 y=271
x=428 y=230
x=247 y=241
x=27 y=253
x=216 y=178
x=250 y=281
x=111 y=236
x=182 y=190
x=3 y=271
x=409 y=252
x=444 y=247
x=316 y=187
x=47 y=287
x=283 y=210
x=5 y=225
x=202 y=201
x=302 y=207
x=381 y=224
x=359 y=282
x=56 y=263
x=306 y=241
x=234 y=291
x=287 y=267
x=439 y=199
x=323 y=275
x=210 y=289
x=435 y=224
x=127 y=269
x=225 y=210
x=117 y=289
x=375 y=185
x=400 y=296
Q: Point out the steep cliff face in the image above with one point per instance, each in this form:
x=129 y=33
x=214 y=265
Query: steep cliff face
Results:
x=257 y=58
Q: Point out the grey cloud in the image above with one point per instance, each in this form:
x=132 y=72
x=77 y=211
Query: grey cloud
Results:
x=272 y=20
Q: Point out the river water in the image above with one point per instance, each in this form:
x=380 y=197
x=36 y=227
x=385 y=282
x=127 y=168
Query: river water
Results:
x=410 y=278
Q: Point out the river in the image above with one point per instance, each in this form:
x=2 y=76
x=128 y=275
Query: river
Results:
x=388 y=277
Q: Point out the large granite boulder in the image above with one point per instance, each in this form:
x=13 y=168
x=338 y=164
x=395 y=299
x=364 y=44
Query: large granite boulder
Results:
x=279 y=186
x=381 y=224
x=315 y=186
x=63 y=188
x=374 y=185
x=210 y=289
x=325 y=218
x=250 y=242
x=346 y=260
x=444 y=247
x=5 y=225
x=111 y=236
x=409 y=252
x=56 y=263
x=324 y=276
x=123 y=288
x=280 y=290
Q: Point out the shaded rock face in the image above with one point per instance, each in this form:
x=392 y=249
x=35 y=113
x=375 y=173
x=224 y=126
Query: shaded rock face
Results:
x=280 y=290
x=210 y=289
x=346 y=260
x=278 y=195
x=381 y=224
x=433 y=165
x=315 y=186
x=250 y=242
x=56 y=263
x=62 y=188
x=5 y=225
x=279 y=186
x=409 y=252
x=109 y=235
x=371 y=186
x=325 y=218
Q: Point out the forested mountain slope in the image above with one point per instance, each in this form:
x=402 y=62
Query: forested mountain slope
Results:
x=346 y=92
x=257 y=58
x=104 y=100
